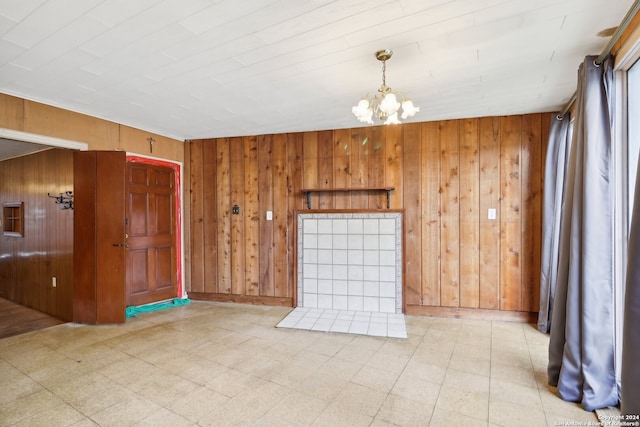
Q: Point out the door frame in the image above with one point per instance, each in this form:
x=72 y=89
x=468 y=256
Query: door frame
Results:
x=178 y=195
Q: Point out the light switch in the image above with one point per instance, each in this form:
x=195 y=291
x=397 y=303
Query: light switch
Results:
x=491 y=214
x=269 y=215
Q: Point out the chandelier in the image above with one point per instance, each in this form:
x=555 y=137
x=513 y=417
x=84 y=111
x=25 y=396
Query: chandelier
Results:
x=384 y=106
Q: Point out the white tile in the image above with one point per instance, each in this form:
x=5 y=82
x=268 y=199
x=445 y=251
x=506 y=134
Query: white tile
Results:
x=310 y=256
x=340 y=272
x=371 y=257
x=371 y=289
x=388 y=305
x=325 y=271
x=387 y=226
x=325 y=301
x=310 y=300
x=355 y=288
x=310 y=271
x=322 y=325
x=377 y=329
x=340 y=241
x=388 y=258
x=355 y=256
x=387 y=242
x=306 y=323
x=356 y=272
x=310 y=286
x=324 y=256
x=288 y=322
x=388 y=289
x=359 y=328
x=354 y=226
x=371 y=242
x=340 y=256
x=310 y=241
x=355 y=303
x=314 y=313
x=340 y=287
x=325 y=226
x=310 y=226
x=387 y=274
x=395 y=331
x=325 y=241
x=371 y=273
x=371 y=303
x=340 y=326
x=339 y=226
x=354 y=241
x=325 y=287
x=361 y=316
x=340 y=302
x=346 y=315
x=370 y=226
x=330 y=314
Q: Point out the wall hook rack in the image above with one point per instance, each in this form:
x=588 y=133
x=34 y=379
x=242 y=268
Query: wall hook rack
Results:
x=65 y=200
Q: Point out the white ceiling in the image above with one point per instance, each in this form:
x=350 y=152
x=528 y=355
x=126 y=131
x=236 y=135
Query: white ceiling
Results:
x=210 y=68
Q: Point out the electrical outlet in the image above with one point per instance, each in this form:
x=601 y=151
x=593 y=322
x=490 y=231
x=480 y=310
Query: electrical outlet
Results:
x=491 y=214
x=269 y=215
x=54 y=282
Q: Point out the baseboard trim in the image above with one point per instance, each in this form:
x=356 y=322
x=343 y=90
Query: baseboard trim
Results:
x=241 y=299
x=472 y=313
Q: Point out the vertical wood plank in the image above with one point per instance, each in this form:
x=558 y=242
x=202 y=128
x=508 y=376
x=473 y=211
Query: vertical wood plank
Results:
x=489 y=199
x=295 y=202
x=394 y=160
x=325 y=169
x=376 y=170
x=510 y=274
x=197 y=220
x=431 y=260
x=281 y=260
x=359 y=167
x=223 y=204
x=341 y=170
x=450 y=213
x=251 y=216
x=310 y=164
x=238 y=248
x=412 y=183
x=210 y=215
x=531 y=225
x=265 y=197
x=469 y=215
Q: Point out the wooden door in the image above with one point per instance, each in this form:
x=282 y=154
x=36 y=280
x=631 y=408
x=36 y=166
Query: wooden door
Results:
x=98 y=237
x=151 y=233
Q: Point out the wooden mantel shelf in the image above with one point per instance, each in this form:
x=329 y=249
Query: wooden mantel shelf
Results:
x=308 y=191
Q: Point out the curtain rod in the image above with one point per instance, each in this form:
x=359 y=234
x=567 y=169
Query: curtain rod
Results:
x=607 y=49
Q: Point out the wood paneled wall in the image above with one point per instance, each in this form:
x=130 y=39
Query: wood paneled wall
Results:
x=27 y=264
x=447 y=175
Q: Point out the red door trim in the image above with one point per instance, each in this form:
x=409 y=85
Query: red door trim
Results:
x=177 y=199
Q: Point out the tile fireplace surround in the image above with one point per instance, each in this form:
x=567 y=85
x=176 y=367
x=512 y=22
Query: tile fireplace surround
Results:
x=350 y=261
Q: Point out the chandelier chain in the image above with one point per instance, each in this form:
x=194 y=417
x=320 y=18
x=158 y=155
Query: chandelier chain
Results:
x=384 y=69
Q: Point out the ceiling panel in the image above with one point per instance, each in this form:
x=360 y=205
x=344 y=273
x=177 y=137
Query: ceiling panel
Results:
x=209 y=68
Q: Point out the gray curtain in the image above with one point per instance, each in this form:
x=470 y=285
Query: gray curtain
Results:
x=581 y=342
x=553 y=197
x=630 y=378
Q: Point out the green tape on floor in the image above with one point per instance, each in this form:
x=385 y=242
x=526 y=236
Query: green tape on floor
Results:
x=133 y=311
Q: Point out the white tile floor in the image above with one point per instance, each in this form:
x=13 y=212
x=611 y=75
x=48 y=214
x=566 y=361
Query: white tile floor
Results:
x=349 y=322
